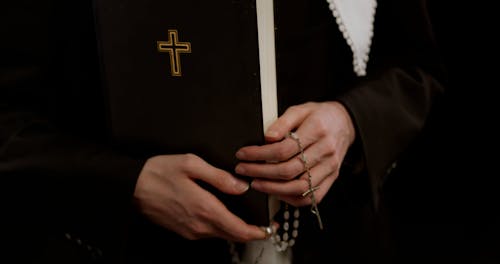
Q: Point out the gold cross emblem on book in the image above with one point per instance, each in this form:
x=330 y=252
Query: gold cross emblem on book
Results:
x=174 y=49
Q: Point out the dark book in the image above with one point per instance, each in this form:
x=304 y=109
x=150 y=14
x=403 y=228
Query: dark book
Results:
x=184 y=77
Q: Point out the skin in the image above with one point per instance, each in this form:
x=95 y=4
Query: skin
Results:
x=326 y=132
x=167 y=193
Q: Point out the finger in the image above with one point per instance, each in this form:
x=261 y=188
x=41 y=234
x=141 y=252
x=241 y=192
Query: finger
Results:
x=274 y=152
x=297 y=187
x=278 y=151
x=233 y=228
x=274 y=171
x=290 y=120
x=307 y=134
x=319 y=194
x=289 y=169
x=196 y=223
x=197 y=168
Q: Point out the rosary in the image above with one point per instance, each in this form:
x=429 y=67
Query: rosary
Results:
x=283 y=242
x=310 y=192
x=286 y=240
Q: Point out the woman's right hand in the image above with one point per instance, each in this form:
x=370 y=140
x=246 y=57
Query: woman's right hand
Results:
x=167 y=193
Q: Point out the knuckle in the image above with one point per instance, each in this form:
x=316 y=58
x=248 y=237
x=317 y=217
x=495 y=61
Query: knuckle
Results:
x=321 y=126
x=335 y=174
x=189 y=161
x=198 y=230
x=298 y=166
x=304 y=185
x=336 y=162
x=329 y=147
x=285 y=122
x=282 y=153
x=286 y=171
x=310 y=104
x=220 y=181
x=293 y=108
x=191 y=158
x=205 y=211
x=313 y=161
x=333 y=165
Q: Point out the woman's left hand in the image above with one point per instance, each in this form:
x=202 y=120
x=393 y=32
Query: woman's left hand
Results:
x=325 y=131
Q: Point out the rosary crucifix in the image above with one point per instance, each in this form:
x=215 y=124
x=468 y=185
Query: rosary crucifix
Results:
x=311 y=190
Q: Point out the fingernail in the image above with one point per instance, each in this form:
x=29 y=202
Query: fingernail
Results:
x=272 y=134
x=240 y=170
x=254 y=184
x=240 y=155
x=242 y=186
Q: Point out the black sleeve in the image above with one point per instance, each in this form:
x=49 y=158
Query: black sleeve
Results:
x=391 y=105
x=56 y=174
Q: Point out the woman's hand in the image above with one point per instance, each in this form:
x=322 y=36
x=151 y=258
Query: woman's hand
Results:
x=325 y=131
x=167 y=193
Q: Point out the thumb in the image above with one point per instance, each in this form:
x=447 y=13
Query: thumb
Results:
x=291 y=119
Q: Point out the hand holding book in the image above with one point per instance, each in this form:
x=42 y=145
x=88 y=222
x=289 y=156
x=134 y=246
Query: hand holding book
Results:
x=167 y=193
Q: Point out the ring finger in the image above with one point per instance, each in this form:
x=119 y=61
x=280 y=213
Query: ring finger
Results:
x=287 y=170
x=297 y=187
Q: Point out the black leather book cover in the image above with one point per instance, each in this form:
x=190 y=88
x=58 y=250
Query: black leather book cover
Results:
x=183 y=77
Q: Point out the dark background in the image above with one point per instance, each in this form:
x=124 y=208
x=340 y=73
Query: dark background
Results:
x=446 y=207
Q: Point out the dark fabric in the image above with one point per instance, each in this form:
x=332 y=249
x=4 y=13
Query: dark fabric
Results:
x=67 y=186
x=443 y=195
x=58 y=173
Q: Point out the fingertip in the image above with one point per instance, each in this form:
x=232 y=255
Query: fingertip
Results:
x=241 y=187
x=261 y=233
x=240 y=169
x=252 y=233
x=272 y=134
x=240 y=154
x=275 y=225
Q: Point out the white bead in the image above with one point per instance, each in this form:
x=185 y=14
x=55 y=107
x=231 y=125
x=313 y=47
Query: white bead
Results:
x=295 y=233
x=286 y=215
x=295 y=224
x=284 y=244
x=349 y=42
x=280 y=248
x=285 y=237
x=296 y=213
x=291 y=243
x=286 y=226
